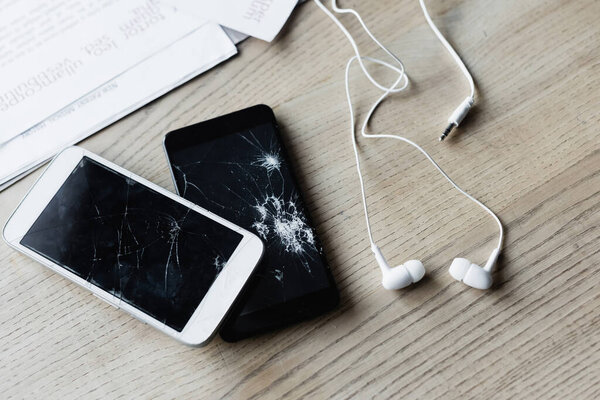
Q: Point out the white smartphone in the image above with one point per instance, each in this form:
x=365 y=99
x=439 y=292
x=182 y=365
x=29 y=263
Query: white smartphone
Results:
x=141 y=248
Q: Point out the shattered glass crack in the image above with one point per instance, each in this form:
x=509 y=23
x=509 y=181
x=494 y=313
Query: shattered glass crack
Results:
x=245 y=178
x=133 y=242
x=281 y=220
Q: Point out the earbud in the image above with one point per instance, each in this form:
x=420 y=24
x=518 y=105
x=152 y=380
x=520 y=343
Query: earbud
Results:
x=401 y=276
x=472 y=274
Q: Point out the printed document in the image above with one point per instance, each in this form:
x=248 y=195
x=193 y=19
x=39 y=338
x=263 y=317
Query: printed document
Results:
x=70 y=68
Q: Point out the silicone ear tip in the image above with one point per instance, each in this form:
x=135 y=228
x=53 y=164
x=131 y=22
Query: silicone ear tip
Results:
x=459 y=267
x=478 y=278
x=415 y=269
x=396 y=278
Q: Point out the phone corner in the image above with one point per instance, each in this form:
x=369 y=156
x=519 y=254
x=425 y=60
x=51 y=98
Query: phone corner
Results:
x=70 y=149
x=10 y=229
x=165 y=148
x=4 y=230
x=193 y=344
x=195 y=341
x=173 y=133
x=165 y=138
x=265 y=108
x=259 y=244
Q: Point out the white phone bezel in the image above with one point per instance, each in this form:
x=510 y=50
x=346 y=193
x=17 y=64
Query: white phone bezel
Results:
x=211 y=311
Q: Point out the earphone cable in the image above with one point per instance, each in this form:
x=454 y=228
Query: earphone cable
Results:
x=450 y=49
x=387 y=91
x=400 y=70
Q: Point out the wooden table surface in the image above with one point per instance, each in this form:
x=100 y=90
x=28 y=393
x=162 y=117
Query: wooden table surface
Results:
x=530 y=150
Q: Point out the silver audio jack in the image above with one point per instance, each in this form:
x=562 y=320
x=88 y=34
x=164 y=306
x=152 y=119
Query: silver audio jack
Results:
x=457 y=116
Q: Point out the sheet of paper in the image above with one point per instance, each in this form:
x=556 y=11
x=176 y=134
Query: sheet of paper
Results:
x=235 y=36
x=195 y=53
x=262 y=19
x=52 y=53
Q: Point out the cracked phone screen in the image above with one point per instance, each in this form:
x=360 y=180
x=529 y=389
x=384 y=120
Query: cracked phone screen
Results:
x=141 y=246
x=245 y=177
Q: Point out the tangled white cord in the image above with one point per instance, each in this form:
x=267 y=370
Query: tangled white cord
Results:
x=399 y=85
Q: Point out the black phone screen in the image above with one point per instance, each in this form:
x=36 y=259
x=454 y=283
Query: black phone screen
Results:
x=133 y=242
x=236 y=166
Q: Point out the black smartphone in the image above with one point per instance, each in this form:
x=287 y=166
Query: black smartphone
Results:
x=236 y=166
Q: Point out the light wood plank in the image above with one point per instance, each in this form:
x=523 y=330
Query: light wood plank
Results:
x=530 y=150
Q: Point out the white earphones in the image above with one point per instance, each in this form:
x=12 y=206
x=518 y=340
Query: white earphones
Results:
x=412 y=271
x=473 y=275
x=401 y=276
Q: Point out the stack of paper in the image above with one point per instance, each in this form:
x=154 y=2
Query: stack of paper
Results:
x=262 y=19
x=70 y=68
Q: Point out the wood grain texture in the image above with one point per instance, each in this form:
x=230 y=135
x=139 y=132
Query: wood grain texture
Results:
x=530 y=150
